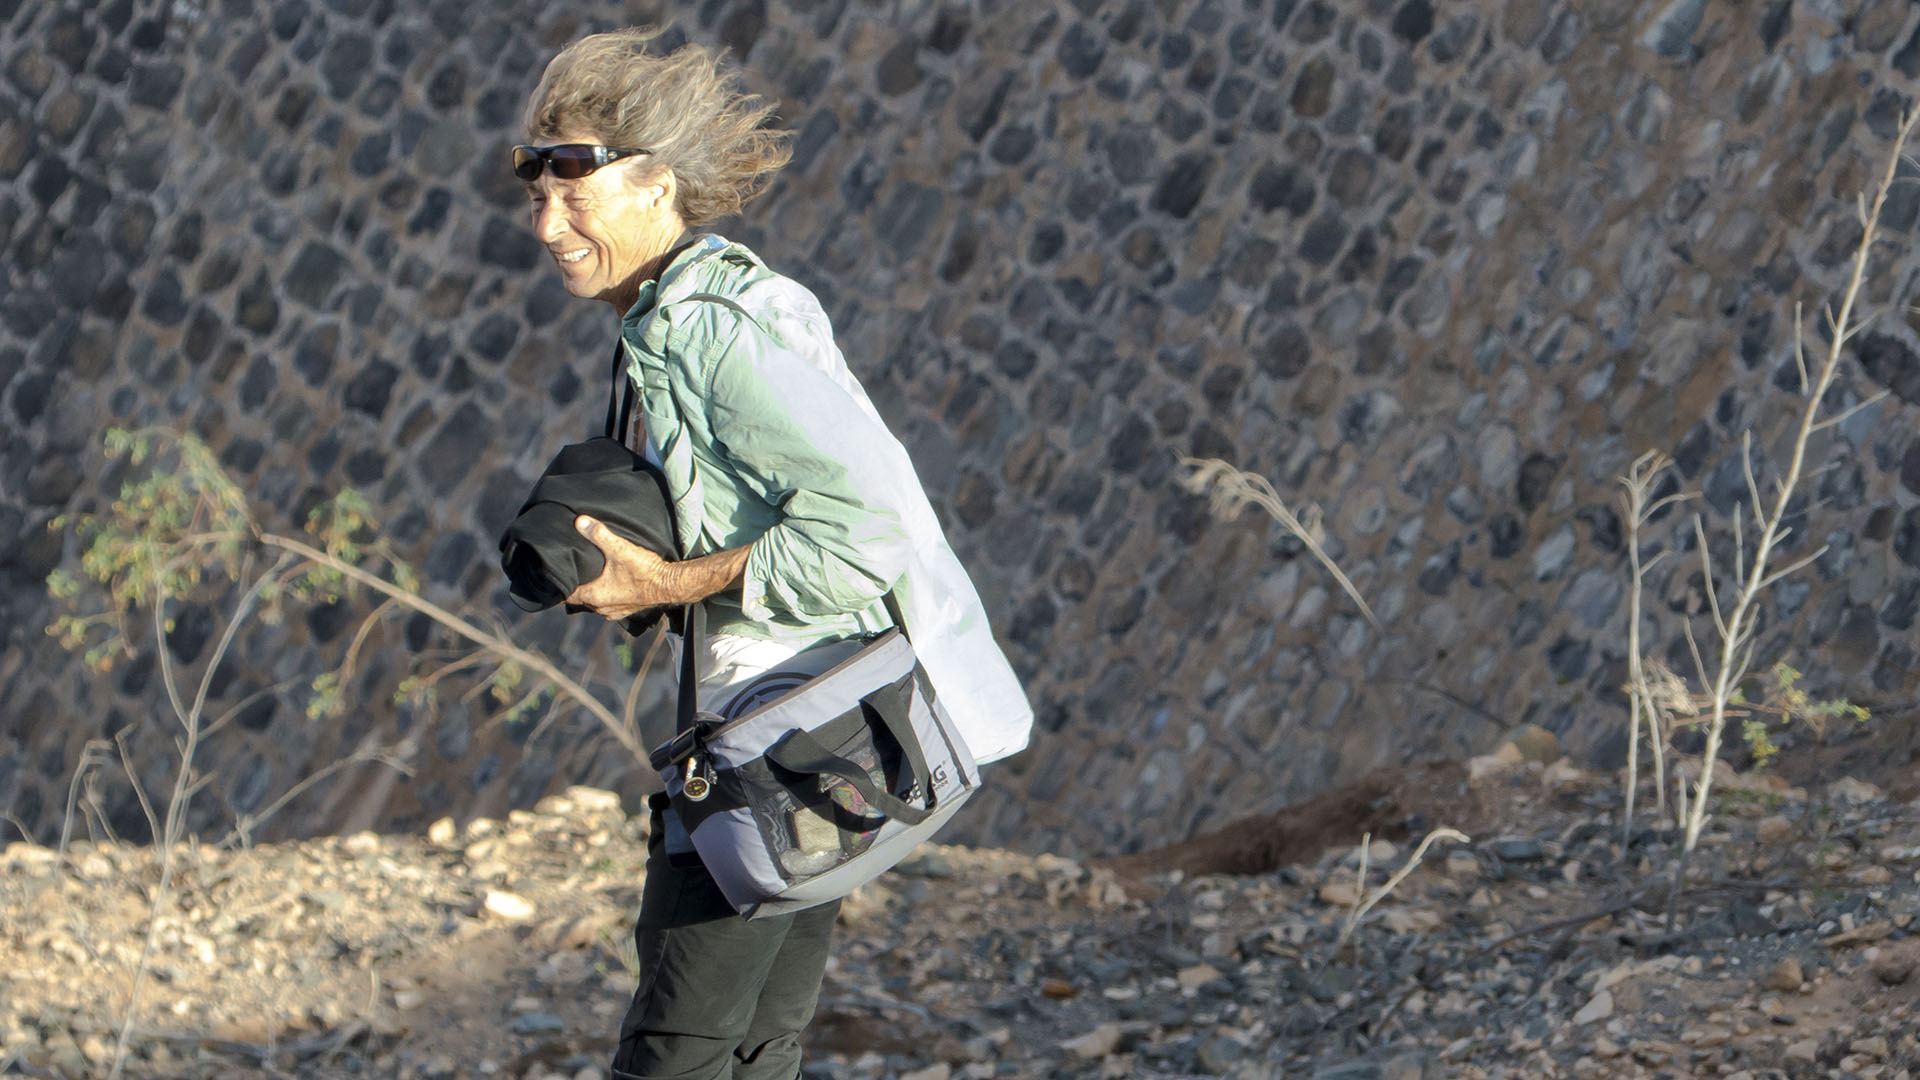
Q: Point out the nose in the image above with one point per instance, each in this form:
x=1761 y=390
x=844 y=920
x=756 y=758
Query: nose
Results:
x=550 y=220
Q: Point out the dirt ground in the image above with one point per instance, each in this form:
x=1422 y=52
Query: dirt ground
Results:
x=1538 y=949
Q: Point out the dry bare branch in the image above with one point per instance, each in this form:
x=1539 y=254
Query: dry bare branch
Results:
x=373 y=619
x=1789 y=570
x=1638 y=483
x=629 y=720
x=1739 y=548
x=1799 y=348
x=495 y=643
x=245 y=824
x=1737 y=630
x=1848 y=413
x=133 y=781
x=1706 y=576
x=1693 y=646
x=1746 y=467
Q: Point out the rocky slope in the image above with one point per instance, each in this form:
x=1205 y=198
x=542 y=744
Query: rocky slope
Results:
x=502 y=948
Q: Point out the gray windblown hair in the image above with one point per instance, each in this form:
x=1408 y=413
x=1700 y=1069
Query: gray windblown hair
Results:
x=683 y=106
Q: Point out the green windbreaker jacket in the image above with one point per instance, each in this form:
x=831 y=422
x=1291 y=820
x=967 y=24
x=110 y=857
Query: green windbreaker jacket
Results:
x=767 y=439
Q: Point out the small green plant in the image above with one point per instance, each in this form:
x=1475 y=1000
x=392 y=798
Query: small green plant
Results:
x=1753 y=732
x=1748 y=799
x=1782 y=697
x=1777 y=701
x=180 y=530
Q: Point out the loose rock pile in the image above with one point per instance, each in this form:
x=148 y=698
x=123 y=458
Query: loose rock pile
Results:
x=503 y=949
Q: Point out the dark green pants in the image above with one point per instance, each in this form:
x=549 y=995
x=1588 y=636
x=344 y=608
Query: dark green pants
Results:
x=719 y=997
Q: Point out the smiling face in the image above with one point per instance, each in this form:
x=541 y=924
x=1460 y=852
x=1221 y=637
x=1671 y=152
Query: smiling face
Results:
x=609 y=230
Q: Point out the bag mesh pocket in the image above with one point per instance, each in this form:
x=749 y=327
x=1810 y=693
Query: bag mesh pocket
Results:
x=814 y=823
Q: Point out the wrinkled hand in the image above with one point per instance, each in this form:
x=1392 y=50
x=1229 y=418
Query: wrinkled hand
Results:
x=633 y=580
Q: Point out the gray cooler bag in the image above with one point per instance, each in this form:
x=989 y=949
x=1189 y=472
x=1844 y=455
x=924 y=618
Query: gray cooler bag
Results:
x=801 y=799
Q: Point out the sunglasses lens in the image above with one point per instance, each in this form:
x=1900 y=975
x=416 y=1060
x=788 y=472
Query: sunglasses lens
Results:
x=572 y=161
x=526 y=163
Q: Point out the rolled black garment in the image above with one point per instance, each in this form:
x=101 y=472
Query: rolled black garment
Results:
x=546 y=558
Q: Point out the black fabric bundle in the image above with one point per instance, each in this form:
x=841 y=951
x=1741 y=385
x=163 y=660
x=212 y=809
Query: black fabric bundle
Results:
x=545 y=557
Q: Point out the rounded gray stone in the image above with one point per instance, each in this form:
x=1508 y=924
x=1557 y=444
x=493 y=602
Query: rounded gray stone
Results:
x=1594 y=596
x=1554 y=555
x=1313 y=88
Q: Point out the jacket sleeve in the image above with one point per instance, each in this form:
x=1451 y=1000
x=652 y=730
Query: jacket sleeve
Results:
x=816 y=453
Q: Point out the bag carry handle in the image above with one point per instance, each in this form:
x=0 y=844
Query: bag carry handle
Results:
x=799 y=752
x=893 y=707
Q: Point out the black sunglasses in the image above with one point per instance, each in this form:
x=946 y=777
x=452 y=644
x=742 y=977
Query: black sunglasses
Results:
x=569 y=161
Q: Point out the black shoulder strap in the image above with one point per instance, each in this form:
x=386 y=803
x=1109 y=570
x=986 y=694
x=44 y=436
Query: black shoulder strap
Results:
x=620 y=422
x=694 y=619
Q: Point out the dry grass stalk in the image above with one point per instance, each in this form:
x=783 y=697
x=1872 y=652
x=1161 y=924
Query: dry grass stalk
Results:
x=1364 y=900
x=1638 y=507
x=1228 y=490
x=1734 y=623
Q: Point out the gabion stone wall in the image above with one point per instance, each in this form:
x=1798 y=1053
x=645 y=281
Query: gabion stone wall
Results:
x=1441 y=269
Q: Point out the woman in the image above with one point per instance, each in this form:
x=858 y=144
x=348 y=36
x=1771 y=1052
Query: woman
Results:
x=797 y=510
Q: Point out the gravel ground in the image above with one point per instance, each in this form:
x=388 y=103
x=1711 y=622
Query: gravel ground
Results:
x=502 y=948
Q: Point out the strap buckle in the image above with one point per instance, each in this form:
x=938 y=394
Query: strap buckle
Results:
x=685 y=744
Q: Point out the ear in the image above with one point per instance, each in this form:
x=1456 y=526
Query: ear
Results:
x=663 y=189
